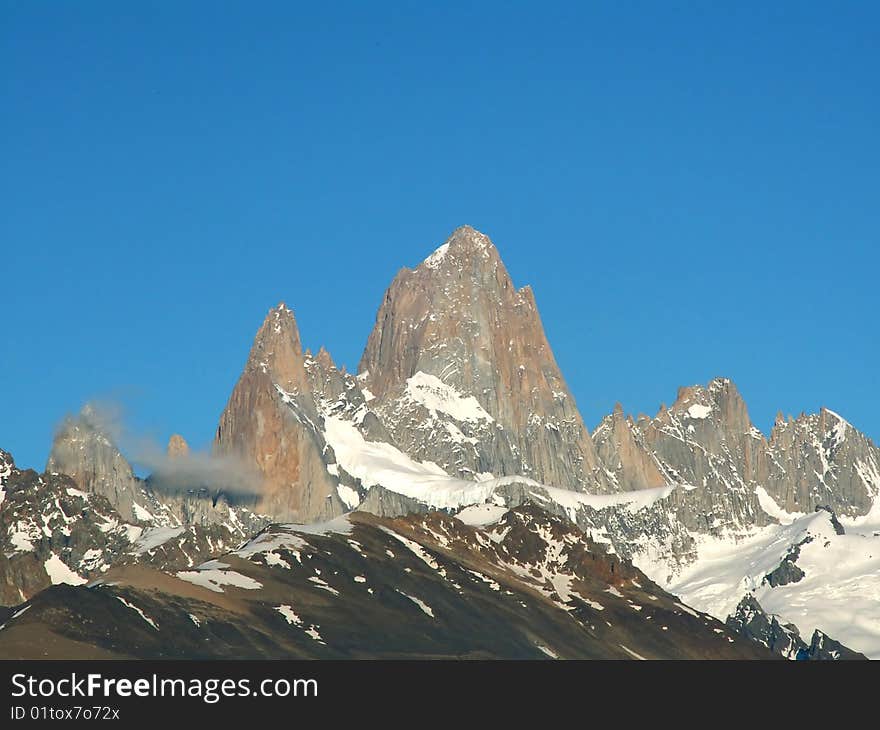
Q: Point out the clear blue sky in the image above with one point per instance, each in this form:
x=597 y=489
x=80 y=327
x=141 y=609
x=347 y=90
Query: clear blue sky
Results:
x=691 y=190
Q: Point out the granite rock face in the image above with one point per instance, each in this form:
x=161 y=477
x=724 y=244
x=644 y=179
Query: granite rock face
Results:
x=177 y=447
x=628 y=462
x=823 y=460
x=83 y=450
x=272 y=425
x=707 y=443
x=463 y=375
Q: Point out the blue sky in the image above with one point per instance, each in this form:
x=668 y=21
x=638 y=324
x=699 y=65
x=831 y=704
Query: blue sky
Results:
x=691 y=189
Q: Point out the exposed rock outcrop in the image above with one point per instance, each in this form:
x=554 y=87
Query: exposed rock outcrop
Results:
x=271 y=423
x=463 y=375
x=823 y=460
x=83 y=450
x=177 y=447
x=751 y=621
x=707 y=443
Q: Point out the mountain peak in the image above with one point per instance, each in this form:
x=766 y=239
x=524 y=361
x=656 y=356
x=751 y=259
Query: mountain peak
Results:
x=324 y=359
x=84 y=450
x=719 y=399
x=177 y=446
x=458 y=317
x=277 y=349
x=270 y=424
x=465 y=244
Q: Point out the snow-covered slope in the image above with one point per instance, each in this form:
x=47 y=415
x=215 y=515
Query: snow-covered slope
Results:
x=381 y=464
x=837 y=593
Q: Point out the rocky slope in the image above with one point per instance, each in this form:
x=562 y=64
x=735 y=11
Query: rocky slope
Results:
x=752 y=621
x=516 y=585
x=52 y=532
x=83 y=450
x=173 y=495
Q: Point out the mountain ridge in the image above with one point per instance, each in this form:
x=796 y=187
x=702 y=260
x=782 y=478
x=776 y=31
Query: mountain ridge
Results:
x=459 y=404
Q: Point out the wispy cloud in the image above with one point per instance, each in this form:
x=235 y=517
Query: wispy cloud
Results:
x=170 y=474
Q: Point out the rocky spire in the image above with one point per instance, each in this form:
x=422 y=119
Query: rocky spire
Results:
x=458 y=318
x=271 y=423
x=626 y=459
x=277 y=350
x=324 y=360
x=84 y=450
x=824 y=460
x=707 y=441
x=177 y=447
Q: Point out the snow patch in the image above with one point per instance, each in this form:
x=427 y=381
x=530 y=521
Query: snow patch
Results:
x=420 y=603
x=479 y=515
x=769 y=505
x=698 y=411
x=435 y=259
x=140 y=513
x=289 y=615
x=153 y=537
x=350 y=498
x=633 y=654
x=138 y=611
x=59 y=572
x=213 y=579
x=435 y=395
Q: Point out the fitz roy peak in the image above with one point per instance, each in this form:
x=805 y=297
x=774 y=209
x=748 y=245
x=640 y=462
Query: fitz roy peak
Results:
x=457 y=373
x=450 y=483
x=456 y=327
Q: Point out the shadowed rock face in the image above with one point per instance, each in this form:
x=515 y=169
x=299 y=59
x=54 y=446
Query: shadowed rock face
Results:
x=463 y=374
x=271 y=423
x=52 y=531
x=752 y=622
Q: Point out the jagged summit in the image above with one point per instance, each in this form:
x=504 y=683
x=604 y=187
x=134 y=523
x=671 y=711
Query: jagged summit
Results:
x=719 y=399
x=465 y=244
x=277 y=349
x=83 y=450
x=460 y=406
x=272 y=425
x=459 y=318
x=324 y=359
